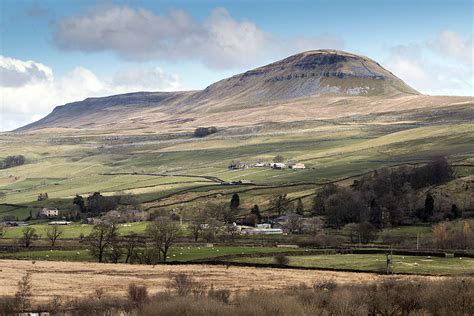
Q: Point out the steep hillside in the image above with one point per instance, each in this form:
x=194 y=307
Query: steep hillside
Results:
x=302 y=78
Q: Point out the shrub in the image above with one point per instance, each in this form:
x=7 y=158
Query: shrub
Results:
x=222 y=295
x=185 y=285
x=137 y=295
x=281 y=259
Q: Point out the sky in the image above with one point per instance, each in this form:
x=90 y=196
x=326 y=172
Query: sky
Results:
x=53 y=52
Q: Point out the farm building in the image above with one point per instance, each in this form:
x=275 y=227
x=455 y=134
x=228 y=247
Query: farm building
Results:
x=60 y=223
x=262 y=231
x=297 y=166
x=278 y=165
x=238 y=165
x=50 y=212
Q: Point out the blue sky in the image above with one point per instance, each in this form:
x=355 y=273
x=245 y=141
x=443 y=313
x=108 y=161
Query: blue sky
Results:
x=55 y=52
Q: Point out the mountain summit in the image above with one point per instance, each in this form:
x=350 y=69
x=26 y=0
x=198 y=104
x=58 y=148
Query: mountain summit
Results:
x=317 y=72
x=306 y=82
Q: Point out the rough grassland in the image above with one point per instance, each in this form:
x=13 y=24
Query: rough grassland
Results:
x=79 y=279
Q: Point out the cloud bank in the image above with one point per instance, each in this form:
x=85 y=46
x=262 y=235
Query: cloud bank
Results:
x=29 y=90
x=219 y=42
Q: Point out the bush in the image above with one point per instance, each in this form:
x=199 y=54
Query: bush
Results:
x=221 y=295
x=281 y=259
x=185 y=285
x=137 y=295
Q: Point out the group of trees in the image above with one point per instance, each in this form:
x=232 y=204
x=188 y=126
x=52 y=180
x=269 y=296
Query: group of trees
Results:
x=12 y=161
x=29 y=235
x=384 y=197
x=453 y=235
x=204 y=131
x=108 y=245
x=97 y=203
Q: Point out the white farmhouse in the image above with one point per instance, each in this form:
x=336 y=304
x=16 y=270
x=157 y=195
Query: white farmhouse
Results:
x=50 y=212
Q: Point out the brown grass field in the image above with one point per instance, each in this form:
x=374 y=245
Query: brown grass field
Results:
x=75 y=279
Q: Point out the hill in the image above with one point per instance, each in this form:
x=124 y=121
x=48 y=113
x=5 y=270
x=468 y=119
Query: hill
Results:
x=307 y=82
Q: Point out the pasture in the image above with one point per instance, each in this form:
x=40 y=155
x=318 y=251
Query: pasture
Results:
x=377 y=263
x=160 y=171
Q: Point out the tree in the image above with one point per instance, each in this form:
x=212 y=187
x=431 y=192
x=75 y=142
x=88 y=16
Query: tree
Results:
x=101 y=238
x=440 y=235
x=12 y=161
x=2 y=230
x=204 y=131
x=429 y=207
x=195 y=227
x=53 y=232
x=319 y=201
x=131 y=242
x=97 y=203
x=280 y=204
x=299 y=209
x=163 y=232
x=42 y=196
x=79 y=201
x=345 y=207
x=235 y=201
x=28 y=235
x=455 y=212
x=294 y=223
x=256 y=211
x=363 y=232
x=278 y=159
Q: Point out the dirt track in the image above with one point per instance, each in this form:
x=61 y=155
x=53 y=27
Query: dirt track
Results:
x=74 y=279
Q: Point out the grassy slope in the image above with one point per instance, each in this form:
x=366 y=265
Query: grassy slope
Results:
x=332 y=149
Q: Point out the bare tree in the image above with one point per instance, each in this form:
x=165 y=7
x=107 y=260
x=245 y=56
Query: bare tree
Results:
x=131 y=242
x=294 y=224
x=29 y=234
x=195 y=228
x=53 y=232
x=163 y=232
x=101 y=238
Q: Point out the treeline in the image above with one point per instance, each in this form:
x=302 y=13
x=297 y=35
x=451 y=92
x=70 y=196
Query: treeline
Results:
x=97 y=203
x=12 y=161
x=185 y=295
x=385 y=197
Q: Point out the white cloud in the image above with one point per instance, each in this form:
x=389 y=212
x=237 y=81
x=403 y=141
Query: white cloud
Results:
x=439 y=67
x=219 y=41
x=23 y=101
x=453 y=45
x=14 y=72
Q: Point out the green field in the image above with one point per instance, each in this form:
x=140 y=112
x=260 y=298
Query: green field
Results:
x=74 y=231
x=377 y=263
x=178 y=253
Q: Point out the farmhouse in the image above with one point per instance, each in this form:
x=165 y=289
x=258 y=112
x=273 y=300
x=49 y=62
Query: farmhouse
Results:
x=50 y=212
x=278 y=165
